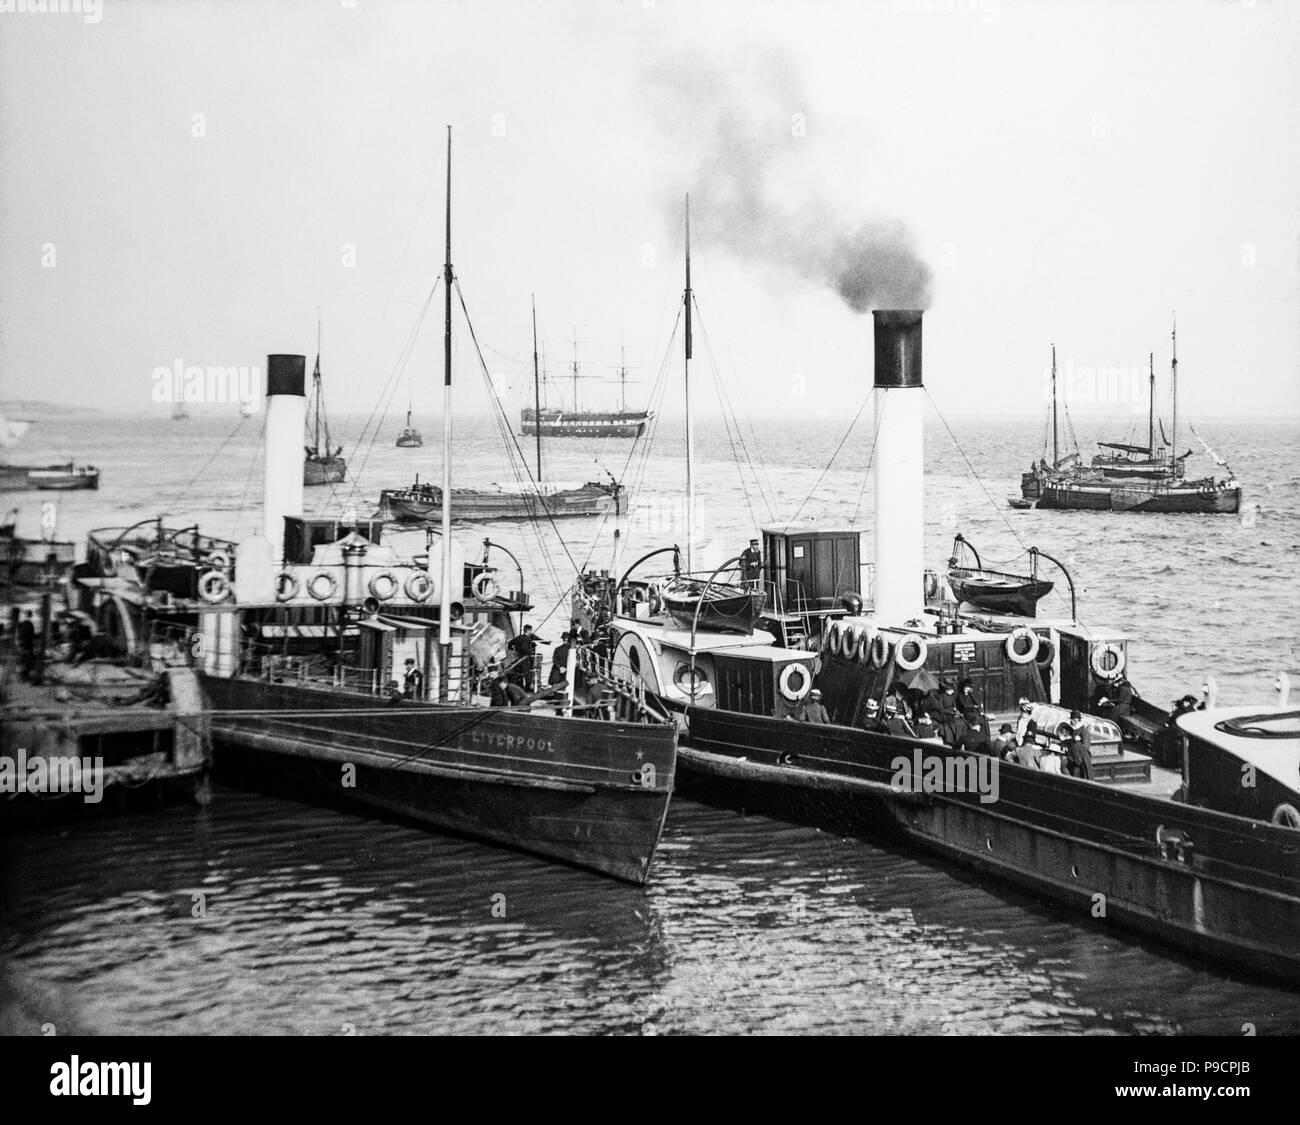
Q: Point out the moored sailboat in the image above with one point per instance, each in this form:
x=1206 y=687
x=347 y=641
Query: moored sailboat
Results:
x=324 y=463
x=1127 y=477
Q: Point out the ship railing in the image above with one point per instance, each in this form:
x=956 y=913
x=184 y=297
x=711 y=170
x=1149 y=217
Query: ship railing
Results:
x=621 y=696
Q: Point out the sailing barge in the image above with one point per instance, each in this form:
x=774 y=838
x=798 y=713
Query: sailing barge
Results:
x=1191 y=858
x=1127 y=477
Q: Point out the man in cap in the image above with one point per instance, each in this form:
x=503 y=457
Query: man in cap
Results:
x=895 y=721
x=813 y=711
x=751 y=565
x=1026 y=728
x=871 y=716
x=1077 y=741
x=412 y=681
x=560 y=660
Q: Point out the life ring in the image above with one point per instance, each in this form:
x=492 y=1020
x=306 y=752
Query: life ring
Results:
x=850 y=640
x=485 y=587
x=322 y=586
x=791 y=693
x=286 y=586
x=865 y=644
x=691 y=682
x=383 y=586
x=879 y=651
x=1046 y=652
x=1098 y=657
x=833 y=636
x=637 y=594
x=419 y=586
x=1286 y=816
x=214 y=586
x=218 y=559
x=922 y=651
x=1013 y=652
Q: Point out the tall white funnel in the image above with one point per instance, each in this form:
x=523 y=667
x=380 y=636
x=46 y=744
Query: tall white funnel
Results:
x=900 y=513
x=286 y=416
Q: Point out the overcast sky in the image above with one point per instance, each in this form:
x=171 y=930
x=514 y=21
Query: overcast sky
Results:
x=189 y=181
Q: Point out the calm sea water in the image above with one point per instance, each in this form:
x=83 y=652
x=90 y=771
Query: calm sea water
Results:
x=319 y=921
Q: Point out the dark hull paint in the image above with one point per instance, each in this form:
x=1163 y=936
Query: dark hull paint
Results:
x=1129 y=497
x=572 y=795
x=410 y=506
x=599 y=430
x=1233 y=896
x=315 y=471
x=1019 y=596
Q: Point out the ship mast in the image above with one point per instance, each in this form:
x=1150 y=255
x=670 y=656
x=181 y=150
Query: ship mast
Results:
x=1056 y=457
x=315 y=386
x=444 y=612
x=1173 y=439
x=690 y=429
x=1151 y=405
x=537 y=396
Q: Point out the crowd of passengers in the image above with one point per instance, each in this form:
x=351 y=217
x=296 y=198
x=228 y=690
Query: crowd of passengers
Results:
x=953 y=716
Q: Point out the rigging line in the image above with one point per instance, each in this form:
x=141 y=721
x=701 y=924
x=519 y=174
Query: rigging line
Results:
x=508 y=429
x=389 y=389
x=732 y=422
x=726 y=422
x=729 y=408
x=829 y=463
x=971 y=468
x=252 y=467
x=641 y=441
x=866 y=473
x=229 y=438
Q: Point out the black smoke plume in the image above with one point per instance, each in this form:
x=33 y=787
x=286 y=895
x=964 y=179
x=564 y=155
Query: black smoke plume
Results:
x=742 y=138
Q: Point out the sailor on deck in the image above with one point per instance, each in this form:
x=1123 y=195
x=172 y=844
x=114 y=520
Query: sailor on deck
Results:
x=1078 y=747
x=813 y=711
x=751 y=565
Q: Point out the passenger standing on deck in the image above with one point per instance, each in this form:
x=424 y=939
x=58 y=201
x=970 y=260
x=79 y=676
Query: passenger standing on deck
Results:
x=523 y=650
x=751 y=565
x=895 y=722
x=412 y=681
x=871 y=716
x=1026 y=728
x=1078 y=747
x=950 y=724
x=813 y=711
x=560 y=660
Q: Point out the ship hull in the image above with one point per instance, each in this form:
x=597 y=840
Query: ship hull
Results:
x=1134 y=499
x=998 y=593
x=1232 y=894
x=472 y=506
x=585 y=429
x=577 y=791
x=316 y=471
x=48 y=478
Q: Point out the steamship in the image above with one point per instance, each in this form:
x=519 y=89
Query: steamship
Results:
x=304 y=636
x=301 y=635
x=1188 y=856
